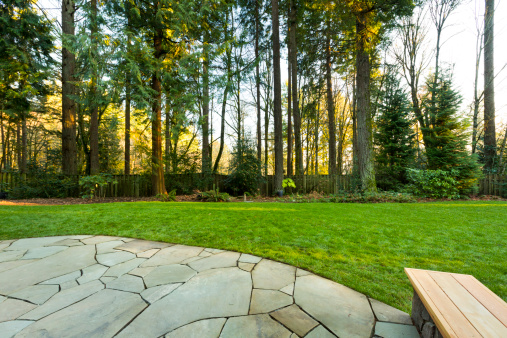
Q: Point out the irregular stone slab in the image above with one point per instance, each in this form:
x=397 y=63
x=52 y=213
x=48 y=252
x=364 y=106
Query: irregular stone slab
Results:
x=98 y=239
x=4 y=245
x=214 y=251
x=391 y=330
x=11 y=309
x=62 y=263
x=172 y=255
x=191 y=259
x=272 y=275
x=13 y=264
x=67 y=242
x=254 y=326
x=123 y=268
x=110 y=259
x=108 y=247
x=2 y=298
x=208 y=328
x=31 y=243
x=142 y=272
x=205 y=254
x=295 y=319
x=345 y=312
x=79 y=237
x=211 y=294
x=126 y=240
x=6 y=256
x=245 y=258
x=43 y=252
x=169 y=274
x=221 y=260
x=63 y=279
x=92 y=273
x=9 y=329
x=264 y=301
x=289 y=289
x=301 y=272
x=37 y=294
x=100 y=315
x=246 y=266
x=127 y=283
x=138 y=246
x=153 y=294
x=68 y=285
x=106 y=280
x=148 y=254
x=320 y=332
x=386 y=313
x=64 y=299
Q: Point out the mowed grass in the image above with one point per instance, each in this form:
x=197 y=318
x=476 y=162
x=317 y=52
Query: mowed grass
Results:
x=363 y=246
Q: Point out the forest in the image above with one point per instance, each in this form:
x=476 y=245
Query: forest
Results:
x=247 y=89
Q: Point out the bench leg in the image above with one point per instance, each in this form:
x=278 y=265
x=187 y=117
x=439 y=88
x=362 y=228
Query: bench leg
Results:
x=422 y=319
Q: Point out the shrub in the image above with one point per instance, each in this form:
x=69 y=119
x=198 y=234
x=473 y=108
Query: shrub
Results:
x=94 y=186
x=169 y=197
x=214 y=196
x=245 y=175
x=433 y=183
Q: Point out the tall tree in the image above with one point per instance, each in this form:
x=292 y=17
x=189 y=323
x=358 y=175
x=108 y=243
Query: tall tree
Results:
x=69 y=147
x=330 y=106
x=277 y=98
x=489 y=88
x=298 y=145
x=94 y=116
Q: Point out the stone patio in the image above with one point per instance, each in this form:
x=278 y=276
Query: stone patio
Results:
x=99 y=286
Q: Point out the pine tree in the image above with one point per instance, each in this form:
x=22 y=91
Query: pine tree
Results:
x=447 y=135
x=394 y=137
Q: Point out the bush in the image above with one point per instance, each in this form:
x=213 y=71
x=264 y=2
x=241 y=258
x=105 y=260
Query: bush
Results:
x=169 y=197
x=40 y=183
x=94 y=186
x=375 y=197
x=433 y=183
x=245 y=175
x=214 y=196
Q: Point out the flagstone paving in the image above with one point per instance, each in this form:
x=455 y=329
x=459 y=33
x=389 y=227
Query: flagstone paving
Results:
x=100 y=286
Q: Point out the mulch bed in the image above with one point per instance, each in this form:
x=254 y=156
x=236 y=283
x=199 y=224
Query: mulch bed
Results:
x=182 y=198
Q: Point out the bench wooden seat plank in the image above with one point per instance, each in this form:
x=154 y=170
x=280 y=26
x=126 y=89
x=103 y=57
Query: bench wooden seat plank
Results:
x=431 y=295
x=459 y=304
x=479 y=316
x=486 y=297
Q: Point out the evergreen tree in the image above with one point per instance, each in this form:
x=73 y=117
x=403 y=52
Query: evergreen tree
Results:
x=394 y=137
x=26 y=44
x=447 y=135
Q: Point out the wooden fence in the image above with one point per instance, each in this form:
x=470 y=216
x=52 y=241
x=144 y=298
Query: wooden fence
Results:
x=140 y=185
x=494 y=185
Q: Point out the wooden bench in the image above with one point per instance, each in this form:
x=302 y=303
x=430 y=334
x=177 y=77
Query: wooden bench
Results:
x=458 y=305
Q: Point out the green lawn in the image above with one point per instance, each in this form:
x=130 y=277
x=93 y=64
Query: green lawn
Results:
x=363 y=246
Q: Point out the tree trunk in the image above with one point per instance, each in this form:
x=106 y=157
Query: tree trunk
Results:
x=2 y=135
x=69 y=147
x=94 y=118
x=364 y=120
x=489 y=88
x=24 y=145
x=295 y=105
x=277 y=98
x=205 y=109
x=127 y=100
x=330 y=110
x=289 y=116
x=167 y=138
x=18 y=144
x=258 y=82
x=156 y=123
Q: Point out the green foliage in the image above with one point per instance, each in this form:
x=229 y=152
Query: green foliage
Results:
x=447 y=137
x=169 y=197
x=94 y=185
x=371 y=197
x=394 y=137
x=214 y=195
x=40 y=183
x=288 y=183
x=245 y=175
x=433 y=183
